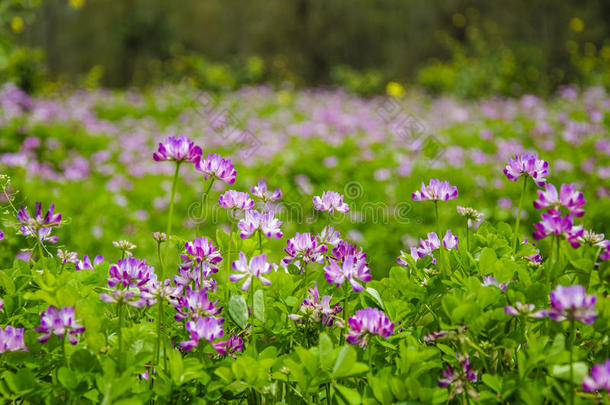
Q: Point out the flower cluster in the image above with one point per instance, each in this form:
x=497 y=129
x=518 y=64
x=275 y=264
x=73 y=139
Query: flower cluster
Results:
x=39 y=224
x=194 y=304
x=568 y=198
x=473 y=217
x=526 y=310
x=304 y=247
x=254 y=221
x=459 y=379
x=199 y=251
x=555 y=224
x=527 y=165
x=11 y=339
x=177 y=149
x=260 y=191
x=217 y=168
x=232 y=199
x=366 y=323
x=318 y=310
x=132 y=277
x=59 y=322
x=572 y=302
x=347 y=263
x=330 y=201
x=256 y=268
x=599 y=379
x=428 y=246
x=436 y=190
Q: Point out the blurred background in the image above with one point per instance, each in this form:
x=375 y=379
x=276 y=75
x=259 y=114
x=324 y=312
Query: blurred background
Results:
x=467 y=48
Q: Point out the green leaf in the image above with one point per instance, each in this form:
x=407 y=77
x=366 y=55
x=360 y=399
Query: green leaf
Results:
x=259 y=305
x=325 y=351
x=345 y=361
x=563 y=372
x=375 y=295
x=238 y=310
x=350 y=395
x=493 y=381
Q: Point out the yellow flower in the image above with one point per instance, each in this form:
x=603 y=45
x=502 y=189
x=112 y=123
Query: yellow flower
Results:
x=17 y=24
x=576 y=24
x=77 y=3
x=395 y=89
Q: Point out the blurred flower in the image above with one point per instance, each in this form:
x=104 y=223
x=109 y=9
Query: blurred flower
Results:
x=491 y=280
x=450 y=241
x=179 y=149
x=265 y=222
x=533 y=258
x=599 y=379
x=232 y=199
x=11 y=339
x=330 y=201
x=525 y=310
x=314 y=310
x=205 y=328
x=458 y=380
x=527 y=165
x=86 y=262
x=568 y=197
x=60 y=323
x=367 y=322
x=67 y=257
x=436 y=190
x=159 y=236
x=558 y=225
x=572 y=303
x=214 y=166
x=395 y=89
x=591 y=238
x=256 y=268
x=329 y=236
x=473 y=216
x=124 y=246
x=39 y=224
x=260 y=191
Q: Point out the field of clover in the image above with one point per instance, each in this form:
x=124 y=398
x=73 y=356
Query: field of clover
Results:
x=312 y=246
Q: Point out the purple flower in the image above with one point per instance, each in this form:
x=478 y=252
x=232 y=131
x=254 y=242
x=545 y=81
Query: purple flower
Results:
x=128 y=297
x=558 y=225
x=349 y=269
x=533 y=258
x=402 y=259
x=198 y=276
x=432 y=336
x=304 y=247
x=605 y=254
x=572 y=303
x=216 y=167
x=344 y=249
x=232 y=199
x=205 y=328
x=450 y=241
x=203 y=250
x=59 y=323
x=67 y=257
x=179 y=149
x=526 y=310
x=157 y=290
x=459 y=379
x=367 y=322
x=38 y=224
x=567 y=197
x=228 y=347
x=86 y=262
x=316 y=310
x=330 y=201
x=256 y=221
x=599 y=378
x=194 y=304
x=435 y=190
x=11 y=339
x=124 y=246
x=260 y=191
x=527 y=165
x=329 y=236
x=256 y=268
x=131 y=272
x=1 y=235
x=491 y=280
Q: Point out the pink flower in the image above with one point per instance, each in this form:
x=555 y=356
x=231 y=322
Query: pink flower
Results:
x=367 y=322
x=86 y=262
x=567 y=197
x=558 y=225
x=232 y=199
x=216 y=167
x=330 y=201
x=11 y=339
x=572 y=303
x=178 y=149
x=304 y=247
x=260 y=191
x=205 y=328
x=314 y=310
x=60 y=323
x=256 y=268
x=256 y=221
x=527 y=165
x=599 y=379
x=203 y=250
x=436 y=190
x=350 y=269
x=194 y=304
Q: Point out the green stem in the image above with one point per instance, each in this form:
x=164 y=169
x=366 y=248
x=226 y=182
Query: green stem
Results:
x=572 y=330
x=260 y=241
x=227 y=281
x=516 y=236
x=440 y=235
x=120 y=336
x=204 y=200
x=327 y=385
x=156 y=356
x=63 y=349
x=467 y=237
x=170 y=217
x=550 y=262
x=599 y=249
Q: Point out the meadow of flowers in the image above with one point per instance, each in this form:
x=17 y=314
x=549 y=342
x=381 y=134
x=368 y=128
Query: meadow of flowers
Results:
x=264 y=247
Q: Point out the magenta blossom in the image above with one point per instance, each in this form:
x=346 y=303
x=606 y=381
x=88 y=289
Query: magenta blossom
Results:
x=256 y=221
x=232 y=199
x=304 y=247
x=178 y=149
x=11 y=339
x=260 y=191
x=599 y=379
x=157 y=290
x=435 y=190
x=195 y=303
x=330 y=201
x=572 y=303
x=60 y=323
x=38 y=224
x=202 y=250
x=450 y=241
x=558 y=225
x=460 y=379
x=533 y=258
x=67 y=257
x=329 y=236
x=214 y=166
x=256 y=268
x=567 y=197
x=86 y=262
x=228 y=347
x=527 y=165
x=316 y=310
x=367 y=322
x=131 y=272
x=205 y=328
x=200 y=277
x=350 y=269
x=526 y=310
